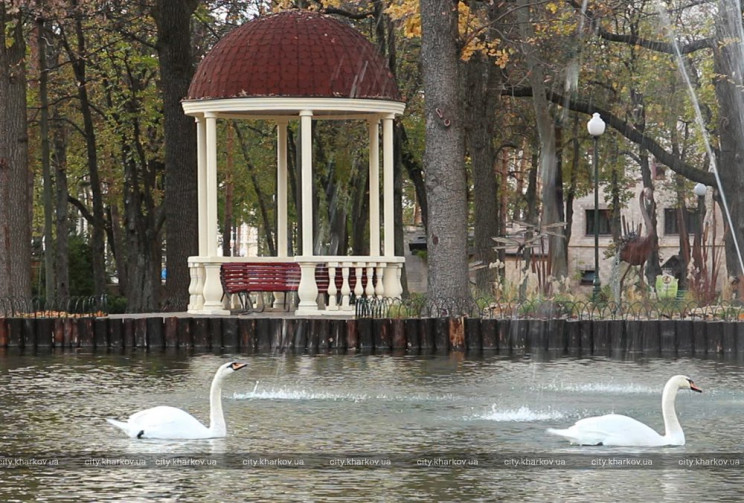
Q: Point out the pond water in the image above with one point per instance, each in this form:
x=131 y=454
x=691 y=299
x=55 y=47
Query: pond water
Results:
x=363 y=428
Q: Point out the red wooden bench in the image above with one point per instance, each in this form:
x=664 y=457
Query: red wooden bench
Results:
x=244 y=278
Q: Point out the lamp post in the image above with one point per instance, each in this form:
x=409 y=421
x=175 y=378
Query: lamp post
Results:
x=700 y=189
x=596 y=126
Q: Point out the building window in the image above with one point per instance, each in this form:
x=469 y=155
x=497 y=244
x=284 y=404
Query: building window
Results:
x=587 y=277
x=671 y=224
x=604 y=222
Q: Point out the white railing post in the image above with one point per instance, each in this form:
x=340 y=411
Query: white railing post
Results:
x=332 y=289
x=345 y=288
x=380 y=286
x=359 y=288
x=308 y=290
x=369 y=291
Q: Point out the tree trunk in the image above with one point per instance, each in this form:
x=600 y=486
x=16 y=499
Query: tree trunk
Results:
x=551 y=205
x=447 y=233
x=15 y=178
x=78 y=58
x=728 y=59
x=481 y=78
x=62 y=223
x=49 y=254
x=173 y=19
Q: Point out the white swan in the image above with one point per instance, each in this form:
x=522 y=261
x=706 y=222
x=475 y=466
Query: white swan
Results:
x=619 y=430
x=165 y=422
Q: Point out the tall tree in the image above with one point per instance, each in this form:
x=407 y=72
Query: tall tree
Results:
x=173 y=18
x=481 y=78
x=444 y=163
x=552 y=204
x=15 y=177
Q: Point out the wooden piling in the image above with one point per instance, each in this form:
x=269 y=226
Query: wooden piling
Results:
x=728 y=338
x=489 y=334
x=399 y=334
x=185 y=333
x=413 y=334
x=502 y=335
x=170 y=332
x=426 y=335
x=352 y=335
x=617 y=338
x=247 y=331
x=322 y=332
x=613 y=338
x=536 y=335
x=685 y=342
x=457 y=334
x=364 y=333
x=263 y=335
x=557 y=341
x=714 y=336
x=633 y=337
x=382 y=334
x=573 y=336
x=128 y=335
x=473 y=339
x=4 y=339
x=601 y=341
x=441 y=335
x=739 y=338
x=115 y=335
x=140 y=333
x=338 y=335
x=668 y=337
x=287 y=331
x=586 y=340
x=650 y=338
x=214 y=329
x=200 y=332
x=698 y=337
x=100 y=333
x=518 y=336
x=30 y=326
x=230 y=338
x=302 y=334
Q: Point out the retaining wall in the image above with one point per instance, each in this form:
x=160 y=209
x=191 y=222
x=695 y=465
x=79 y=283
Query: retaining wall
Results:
x=255 y=335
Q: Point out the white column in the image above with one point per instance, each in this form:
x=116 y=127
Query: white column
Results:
x=280 y=299
x=391 y=278
x=281 y=188
x=306 y=130
x=201 y=168
x=374 y=187
x=212 y=285
x=387 y=166
x=308 y=289
x=196 y=268
x=211 y=175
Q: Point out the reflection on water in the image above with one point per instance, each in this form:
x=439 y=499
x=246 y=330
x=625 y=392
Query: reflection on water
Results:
x=333 y=411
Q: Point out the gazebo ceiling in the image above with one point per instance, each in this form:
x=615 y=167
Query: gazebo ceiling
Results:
x=294 y=54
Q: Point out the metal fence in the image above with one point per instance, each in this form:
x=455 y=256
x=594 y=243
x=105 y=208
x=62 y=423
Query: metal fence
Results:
x=37 y=307
x=422 y=307
x=425 y=307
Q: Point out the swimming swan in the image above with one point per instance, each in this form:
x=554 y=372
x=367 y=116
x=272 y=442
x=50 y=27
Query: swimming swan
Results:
x=165 y=422
x=619 y=430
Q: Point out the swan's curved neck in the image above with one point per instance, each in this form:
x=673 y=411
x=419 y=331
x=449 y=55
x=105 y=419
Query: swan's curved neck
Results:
x=216 y=417
x=673 y=430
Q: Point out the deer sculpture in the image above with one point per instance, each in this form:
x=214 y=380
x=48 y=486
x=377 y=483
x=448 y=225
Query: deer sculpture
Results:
x=634 y=248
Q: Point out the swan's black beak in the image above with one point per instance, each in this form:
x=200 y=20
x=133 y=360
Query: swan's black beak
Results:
x=238 y=366
x=693 y=387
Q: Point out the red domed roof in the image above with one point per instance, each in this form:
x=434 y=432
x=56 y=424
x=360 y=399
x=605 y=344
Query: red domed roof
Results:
x=293 y=54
